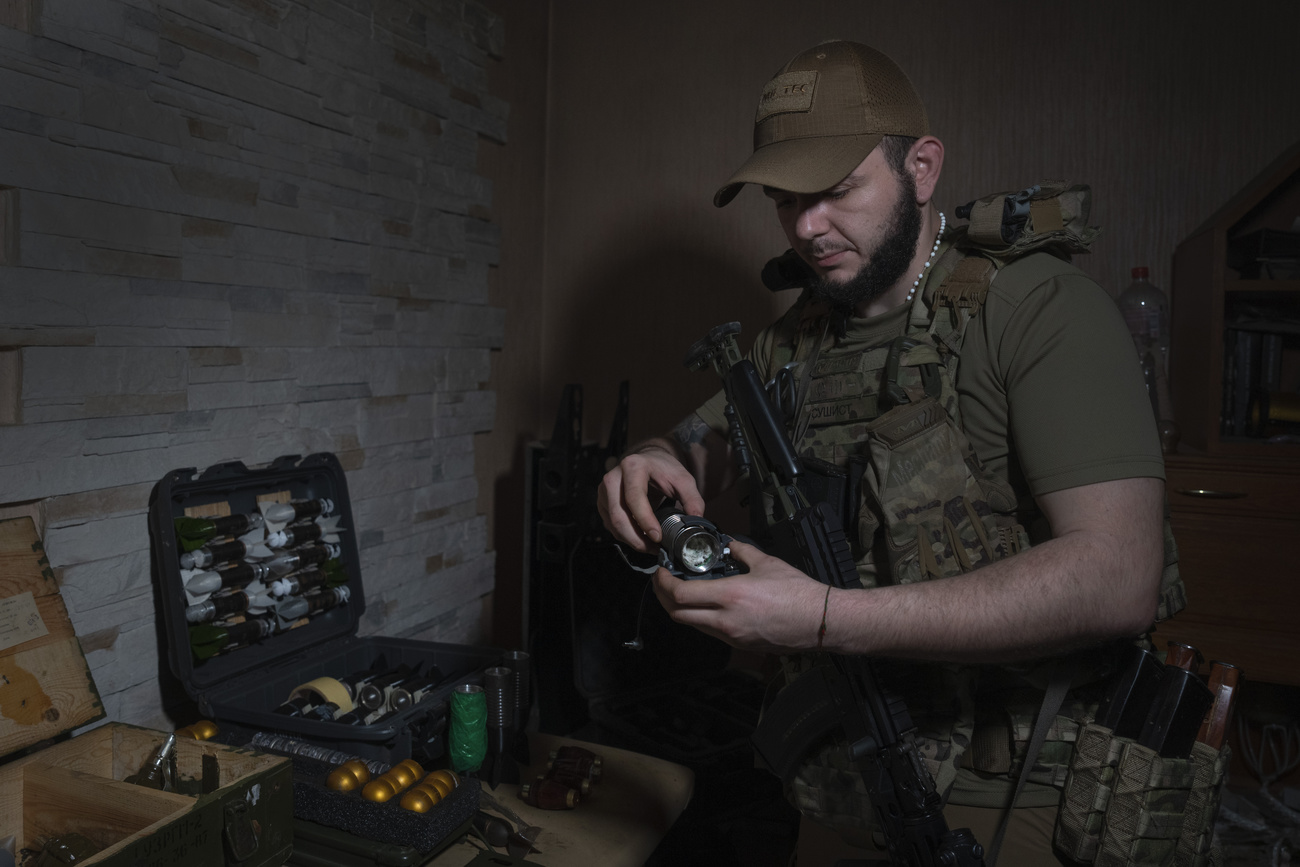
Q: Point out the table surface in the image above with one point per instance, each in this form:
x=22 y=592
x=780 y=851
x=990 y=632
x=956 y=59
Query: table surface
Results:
x=621 y=821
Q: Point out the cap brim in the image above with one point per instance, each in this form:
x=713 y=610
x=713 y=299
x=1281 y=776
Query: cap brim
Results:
x=801 y=165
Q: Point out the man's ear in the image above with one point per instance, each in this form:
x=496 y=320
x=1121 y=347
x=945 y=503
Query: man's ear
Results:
x=925 y=162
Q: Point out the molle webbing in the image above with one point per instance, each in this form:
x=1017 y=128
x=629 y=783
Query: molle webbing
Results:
x=1051 y=215
x=1173 y=595
x=965 y=287
x=986 y=221
x=1124 y=805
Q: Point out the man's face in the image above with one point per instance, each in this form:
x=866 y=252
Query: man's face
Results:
x=859 y=236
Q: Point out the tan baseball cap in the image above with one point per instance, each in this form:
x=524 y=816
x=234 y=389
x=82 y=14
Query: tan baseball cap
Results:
x=822 y=114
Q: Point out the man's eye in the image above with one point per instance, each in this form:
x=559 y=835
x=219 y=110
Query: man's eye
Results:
x=836 y=194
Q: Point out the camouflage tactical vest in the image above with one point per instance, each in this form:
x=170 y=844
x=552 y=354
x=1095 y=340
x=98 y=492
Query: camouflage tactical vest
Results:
x=928 y=510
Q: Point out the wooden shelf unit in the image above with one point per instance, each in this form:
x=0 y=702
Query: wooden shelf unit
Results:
x=1205 y=290
x=1234 y=501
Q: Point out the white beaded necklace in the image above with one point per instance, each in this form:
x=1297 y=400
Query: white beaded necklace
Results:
x=943 y=224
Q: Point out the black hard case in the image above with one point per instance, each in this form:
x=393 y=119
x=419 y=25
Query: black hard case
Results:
x=239 y=689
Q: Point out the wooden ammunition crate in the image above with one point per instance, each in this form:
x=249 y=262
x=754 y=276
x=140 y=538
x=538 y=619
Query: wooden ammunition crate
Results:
x=231 y=807
x=76 y=786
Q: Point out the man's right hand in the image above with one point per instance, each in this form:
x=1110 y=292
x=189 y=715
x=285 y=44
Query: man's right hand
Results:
x=624 y=494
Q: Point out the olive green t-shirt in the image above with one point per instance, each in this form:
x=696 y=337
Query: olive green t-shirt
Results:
x=1050 y=391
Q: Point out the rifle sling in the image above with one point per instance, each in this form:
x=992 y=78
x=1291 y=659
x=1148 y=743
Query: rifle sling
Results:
x=1053 y=698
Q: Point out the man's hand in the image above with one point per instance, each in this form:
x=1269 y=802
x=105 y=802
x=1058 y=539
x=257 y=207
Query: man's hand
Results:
x=773 y=608
x=690 y=464
x=1096 y=580
x=624 y=494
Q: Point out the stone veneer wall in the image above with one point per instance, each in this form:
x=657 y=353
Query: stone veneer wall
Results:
x=233 y=230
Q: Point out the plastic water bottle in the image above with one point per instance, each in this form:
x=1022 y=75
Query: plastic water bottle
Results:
x=1146 y=311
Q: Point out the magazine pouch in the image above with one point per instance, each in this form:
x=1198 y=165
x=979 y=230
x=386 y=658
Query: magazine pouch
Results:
x=1126 y=806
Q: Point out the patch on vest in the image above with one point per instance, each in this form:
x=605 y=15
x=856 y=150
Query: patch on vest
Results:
x=835 y=387
x=825 y=413
x=843 y=364
x=844 y=389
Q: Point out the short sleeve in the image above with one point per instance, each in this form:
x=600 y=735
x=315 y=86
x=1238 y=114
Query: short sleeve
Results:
x=1050 y=385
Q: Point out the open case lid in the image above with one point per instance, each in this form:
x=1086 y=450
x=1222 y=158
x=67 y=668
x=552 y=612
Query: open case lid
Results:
x=45 y=683
x=232 y=488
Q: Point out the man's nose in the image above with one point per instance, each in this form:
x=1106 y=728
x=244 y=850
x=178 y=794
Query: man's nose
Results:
x=810 y=222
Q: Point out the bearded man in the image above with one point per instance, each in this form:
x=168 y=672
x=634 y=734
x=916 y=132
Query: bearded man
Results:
x=1050 y=556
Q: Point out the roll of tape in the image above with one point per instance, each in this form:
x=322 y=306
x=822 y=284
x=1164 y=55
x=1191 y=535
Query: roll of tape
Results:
x=327 y=689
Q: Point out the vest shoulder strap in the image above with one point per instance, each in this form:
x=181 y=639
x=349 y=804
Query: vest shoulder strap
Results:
x=958 y=298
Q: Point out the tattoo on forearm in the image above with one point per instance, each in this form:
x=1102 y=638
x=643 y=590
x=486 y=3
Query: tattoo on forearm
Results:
x=690 y=431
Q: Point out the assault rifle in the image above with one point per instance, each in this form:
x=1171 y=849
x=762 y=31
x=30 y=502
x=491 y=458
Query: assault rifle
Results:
x=843 y=695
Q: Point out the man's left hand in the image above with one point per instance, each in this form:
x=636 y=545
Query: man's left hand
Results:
x=774 y=607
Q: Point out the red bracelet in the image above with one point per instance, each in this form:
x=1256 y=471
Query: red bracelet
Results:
x=821 y=632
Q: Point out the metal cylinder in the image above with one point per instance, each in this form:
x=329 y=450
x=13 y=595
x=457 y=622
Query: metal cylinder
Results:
x=218 y=607
x=289 y=746
x=691 y=543
x=498 y=683
x=373 y=694
x=518 y=662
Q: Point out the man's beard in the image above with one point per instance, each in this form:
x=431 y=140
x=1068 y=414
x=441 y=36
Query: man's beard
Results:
x=887 y=263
